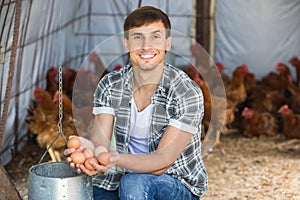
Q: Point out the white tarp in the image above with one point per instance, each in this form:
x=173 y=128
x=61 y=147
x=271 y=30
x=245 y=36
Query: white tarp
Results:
x=259 y=33
x=64 y=32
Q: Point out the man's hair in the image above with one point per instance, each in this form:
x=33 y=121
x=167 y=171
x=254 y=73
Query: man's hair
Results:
x=146 y=15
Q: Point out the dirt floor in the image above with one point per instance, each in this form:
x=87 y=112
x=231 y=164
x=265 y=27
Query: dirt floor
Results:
x=238 y=168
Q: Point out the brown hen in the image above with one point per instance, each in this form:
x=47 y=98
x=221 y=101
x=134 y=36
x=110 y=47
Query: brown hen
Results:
x=296 y=64
x=236 y=91
x=82 y=116
x=68 y=81
x=291 y=122
x=257 y=124
x=225 y=78
x=51 y=82
x=293 y=99
x=43 y=120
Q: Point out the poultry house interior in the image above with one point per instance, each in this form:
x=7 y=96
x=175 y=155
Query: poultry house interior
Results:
x=244 y=55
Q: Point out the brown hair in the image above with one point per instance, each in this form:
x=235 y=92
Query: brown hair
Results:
x=146 y=15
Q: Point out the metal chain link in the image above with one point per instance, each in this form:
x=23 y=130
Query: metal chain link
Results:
x=60 y=104
x=60 y=112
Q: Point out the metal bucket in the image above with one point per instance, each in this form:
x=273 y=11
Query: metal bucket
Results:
x=57 y=180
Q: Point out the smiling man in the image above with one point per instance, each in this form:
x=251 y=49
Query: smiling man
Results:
x=155 y=111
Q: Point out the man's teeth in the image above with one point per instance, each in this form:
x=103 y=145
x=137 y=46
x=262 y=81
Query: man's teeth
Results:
x=147 y=56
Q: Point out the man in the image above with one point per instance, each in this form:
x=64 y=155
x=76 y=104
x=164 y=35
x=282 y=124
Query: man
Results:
x=155 y=112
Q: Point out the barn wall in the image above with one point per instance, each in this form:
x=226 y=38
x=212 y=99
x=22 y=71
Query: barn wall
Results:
x=257 y=33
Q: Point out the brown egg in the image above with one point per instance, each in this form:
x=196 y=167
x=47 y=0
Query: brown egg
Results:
x=100 y=149
x=103 y=158
x=88 y=152
x=88 y=165
x=74 y=142
x=78 y=157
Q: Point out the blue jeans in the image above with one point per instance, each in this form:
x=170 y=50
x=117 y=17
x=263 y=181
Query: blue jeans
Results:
x=102 y=194
x=149 y=187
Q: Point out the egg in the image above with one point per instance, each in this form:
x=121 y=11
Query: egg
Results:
x=103 y=158
x=88 y=152
x=74 y=142
x=78 y=157
x=100 y=149
x=87 y=163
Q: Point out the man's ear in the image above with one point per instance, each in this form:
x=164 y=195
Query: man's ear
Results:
x=169 y=43
x=125 y=43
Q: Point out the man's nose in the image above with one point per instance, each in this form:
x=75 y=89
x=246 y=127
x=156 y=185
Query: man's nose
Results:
x=146 y=43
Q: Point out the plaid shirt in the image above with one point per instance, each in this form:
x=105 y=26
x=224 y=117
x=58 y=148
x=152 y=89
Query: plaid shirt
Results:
x=178 y=102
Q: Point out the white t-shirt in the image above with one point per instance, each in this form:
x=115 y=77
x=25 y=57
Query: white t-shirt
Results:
x=139 y=129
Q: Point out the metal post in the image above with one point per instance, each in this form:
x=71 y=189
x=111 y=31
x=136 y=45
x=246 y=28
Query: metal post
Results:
x=11 y=69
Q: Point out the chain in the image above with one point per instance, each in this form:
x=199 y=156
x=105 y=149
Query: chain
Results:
x=60 y=112
x=60 y=104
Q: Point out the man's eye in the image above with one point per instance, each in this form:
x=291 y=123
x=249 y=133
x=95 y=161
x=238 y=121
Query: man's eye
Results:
x=137 y=37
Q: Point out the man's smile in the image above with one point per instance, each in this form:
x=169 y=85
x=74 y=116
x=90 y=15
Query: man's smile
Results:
x=147 y=56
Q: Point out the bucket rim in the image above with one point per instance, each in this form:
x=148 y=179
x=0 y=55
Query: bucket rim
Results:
x=33 y=174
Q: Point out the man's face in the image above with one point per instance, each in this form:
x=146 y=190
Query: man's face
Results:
x=147 y=45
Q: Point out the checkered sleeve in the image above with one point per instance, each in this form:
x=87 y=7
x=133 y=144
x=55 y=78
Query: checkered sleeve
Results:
x=103 y=98
x=190 y=108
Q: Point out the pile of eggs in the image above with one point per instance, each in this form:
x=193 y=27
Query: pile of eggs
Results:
x=87 y=155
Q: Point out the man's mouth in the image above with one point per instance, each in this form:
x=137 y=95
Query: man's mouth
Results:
x=147 y=56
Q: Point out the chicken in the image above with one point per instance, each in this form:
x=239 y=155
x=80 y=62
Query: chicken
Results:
x=201 y=61
x=264 y=99
x=54 y=140
x=68 y=81
x=100 y=69
x=207 y=100
x=86 y=79
x=222 y=108
x=222 y=114
x=192 y=72
x=42 y=120
x=249 y=82
x=229 y=117
x=296 y=64
x=225 y=77
x=271 y=80
x=257 y=124
x=277 y=81
x=236 y=91
x=293 y=99
x=67 y=106
x=43 y=99
x=283 y=69
x=285 y=73
x=41 y=110
x=84 y=88
x=291 y=122
x=51 y=83
x=82 y=116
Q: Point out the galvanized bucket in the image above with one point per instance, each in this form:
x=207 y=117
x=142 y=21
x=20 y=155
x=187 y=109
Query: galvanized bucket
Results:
x=58 y=181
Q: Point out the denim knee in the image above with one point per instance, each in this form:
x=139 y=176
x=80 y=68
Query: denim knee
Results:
x=135 y=186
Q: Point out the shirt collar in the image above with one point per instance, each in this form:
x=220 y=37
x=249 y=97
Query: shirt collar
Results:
x=164 y=84
x=129 y=74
